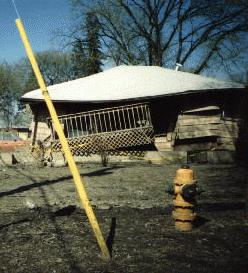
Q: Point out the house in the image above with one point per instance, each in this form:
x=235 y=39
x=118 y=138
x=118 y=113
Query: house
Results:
x=18 y=132
x=193 y=117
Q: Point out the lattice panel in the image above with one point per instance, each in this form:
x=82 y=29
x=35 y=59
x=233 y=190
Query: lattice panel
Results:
x=107 y=142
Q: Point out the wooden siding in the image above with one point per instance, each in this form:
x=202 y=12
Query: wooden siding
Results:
x=200 y=129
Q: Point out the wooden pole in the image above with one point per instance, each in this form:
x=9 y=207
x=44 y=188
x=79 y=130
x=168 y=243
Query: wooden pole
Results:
x=65 y=146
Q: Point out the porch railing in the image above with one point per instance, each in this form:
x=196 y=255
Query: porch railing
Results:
x=116 y=127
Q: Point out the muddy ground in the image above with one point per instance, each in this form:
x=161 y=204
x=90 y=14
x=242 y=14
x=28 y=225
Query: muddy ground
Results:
x=42 y=229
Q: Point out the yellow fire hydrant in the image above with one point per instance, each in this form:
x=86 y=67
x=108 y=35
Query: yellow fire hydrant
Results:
x=185 y=190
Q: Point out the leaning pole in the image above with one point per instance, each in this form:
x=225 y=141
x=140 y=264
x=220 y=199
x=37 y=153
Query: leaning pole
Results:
x=78 y=180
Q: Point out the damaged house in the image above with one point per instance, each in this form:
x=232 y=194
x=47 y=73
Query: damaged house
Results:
x=175 y=114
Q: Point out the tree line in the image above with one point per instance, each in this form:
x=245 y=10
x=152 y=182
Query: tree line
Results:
x=193 y=33
x=202 y=36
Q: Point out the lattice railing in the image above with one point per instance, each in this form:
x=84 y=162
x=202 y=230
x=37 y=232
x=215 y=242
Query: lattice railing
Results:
x=108 y=129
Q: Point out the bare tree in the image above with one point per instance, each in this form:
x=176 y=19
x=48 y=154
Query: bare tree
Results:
x=166 y=32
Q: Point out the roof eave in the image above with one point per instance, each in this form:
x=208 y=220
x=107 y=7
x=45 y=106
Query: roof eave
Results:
x=28 y=100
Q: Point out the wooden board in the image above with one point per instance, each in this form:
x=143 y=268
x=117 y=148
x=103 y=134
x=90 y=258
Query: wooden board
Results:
x=229 y=119
x=230 y=125
x=159 y=139
x=198 y=121
x=185 y=117
x=162 y=144
x=164 y=147
x=203 y=109
x=193 y=128
x=197 y=134
x=229 y=134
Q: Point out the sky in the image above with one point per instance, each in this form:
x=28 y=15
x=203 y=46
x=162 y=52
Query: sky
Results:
x=41 y=19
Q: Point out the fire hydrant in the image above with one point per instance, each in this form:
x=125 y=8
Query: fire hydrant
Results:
x=185 y=191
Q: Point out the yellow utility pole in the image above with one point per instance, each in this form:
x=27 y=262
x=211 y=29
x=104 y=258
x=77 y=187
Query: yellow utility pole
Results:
x=64 y=143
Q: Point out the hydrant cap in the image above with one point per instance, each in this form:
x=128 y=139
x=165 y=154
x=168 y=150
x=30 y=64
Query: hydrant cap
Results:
x=184 y=176
x=185 y=166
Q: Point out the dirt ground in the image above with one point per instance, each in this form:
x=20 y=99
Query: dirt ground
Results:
x=42 y=228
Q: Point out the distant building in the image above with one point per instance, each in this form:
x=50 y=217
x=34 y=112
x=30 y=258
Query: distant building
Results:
x=23 y=133
x=194 y=117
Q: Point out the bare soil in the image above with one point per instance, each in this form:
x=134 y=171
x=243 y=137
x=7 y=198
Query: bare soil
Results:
x=43 y=229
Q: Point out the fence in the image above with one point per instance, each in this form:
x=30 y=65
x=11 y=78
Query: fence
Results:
x=106 y=129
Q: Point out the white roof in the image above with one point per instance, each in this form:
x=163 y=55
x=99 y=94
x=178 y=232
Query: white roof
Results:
x=130 y=82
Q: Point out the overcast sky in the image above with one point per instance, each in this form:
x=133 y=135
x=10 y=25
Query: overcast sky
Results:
x=40 y=17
